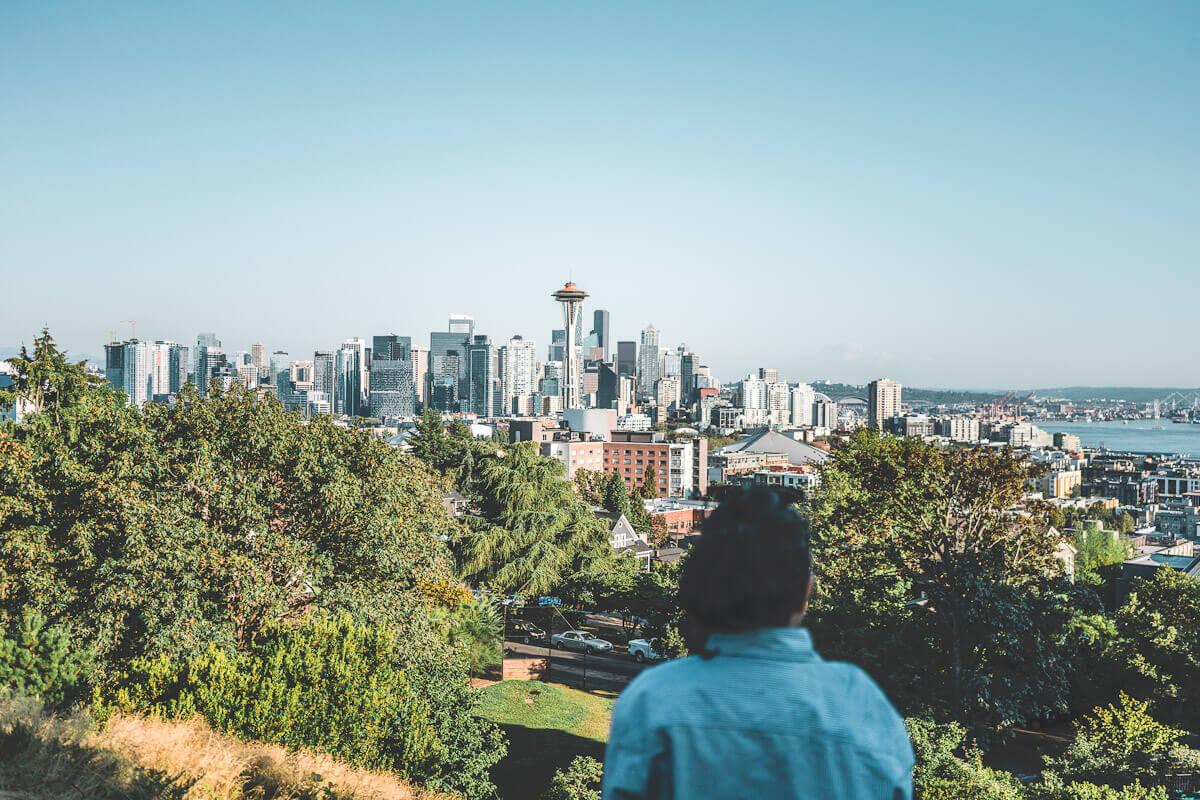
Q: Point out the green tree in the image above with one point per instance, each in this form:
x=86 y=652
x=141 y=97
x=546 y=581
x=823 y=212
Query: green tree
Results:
x=533 y=531
x=949 y=767
x=613 y=495
x=39 y=660
x=46 y=380
x=1155 y=652
x=590 y=485
x=1097 y=548
x=1116 y=745
x=917 y=556
x=579 y=781
x=650 y=483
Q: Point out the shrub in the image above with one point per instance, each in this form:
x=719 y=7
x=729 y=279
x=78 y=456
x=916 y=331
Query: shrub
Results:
x=1052 y=788
x=37 y=660
x=579 y=781
x=323 y=683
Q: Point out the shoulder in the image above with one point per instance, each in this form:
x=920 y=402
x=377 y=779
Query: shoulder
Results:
x=653 y=684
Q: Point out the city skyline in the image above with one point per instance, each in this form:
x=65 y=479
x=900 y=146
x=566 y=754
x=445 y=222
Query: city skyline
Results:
x=979 y=197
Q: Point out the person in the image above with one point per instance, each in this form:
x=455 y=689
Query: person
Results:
x=756 y=713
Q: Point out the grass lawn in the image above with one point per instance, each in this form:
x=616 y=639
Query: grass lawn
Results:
x=547 y=726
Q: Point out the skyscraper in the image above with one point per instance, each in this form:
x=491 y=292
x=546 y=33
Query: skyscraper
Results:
x=479 y=399
x=627 y=359
x=281 y=375
x=461 y=323
x=518 y=371
x=883 y=402
x=136 y=380
x=420 y=365
x=392 y=392
x=649 y=363
x=178 y=367
x=443 y=346
x=208 y=358
x=768 y=374
x=600 y=329
x=687 y=378
x=351 y=390
x=571 y=297
x=558 y=345
x=802 y=404
x=324 y=374
x=391 y=347
x=258 y=355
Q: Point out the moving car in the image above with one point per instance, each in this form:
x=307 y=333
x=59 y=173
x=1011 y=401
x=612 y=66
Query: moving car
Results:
x=525 y=631
x=581 y=641
x=645 y=650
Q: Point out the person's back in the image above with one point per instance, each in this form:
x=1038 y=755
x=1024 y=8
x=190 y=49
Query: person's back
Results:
x=758 y=714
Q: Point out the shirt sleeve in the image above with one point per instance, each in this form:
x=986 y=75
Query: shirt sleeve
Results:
x=631 y=768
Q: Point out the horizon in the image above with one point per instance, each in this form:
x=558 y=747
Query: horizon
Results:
x=978 y=197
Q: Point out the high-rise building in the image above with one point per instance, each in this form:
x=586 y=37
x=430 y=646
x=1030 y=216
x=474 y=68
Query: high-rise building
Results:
x=627 y=359
x=571 y=298
x=600 y=329
x=779 y=403
x=608 y=387
x=420 y=363
x=281 y=375
x=518 y=371
x=802 y=404
x=461 y=323
x=883 y=402
x=668 y=392
x=672 y=363
x=136 y=380
x=350 y=391
x=688 y=363
x=177 y=369
x=324 y=375
x=558 y=345
x=258 y=355
x=114 y=364
x=649 y=363
x=444 y=346
x=825 y=412
x=209 y=358
x=391 y=347
x=768 y=374
x=392 y=392
x=753 y=393
x=480 y=358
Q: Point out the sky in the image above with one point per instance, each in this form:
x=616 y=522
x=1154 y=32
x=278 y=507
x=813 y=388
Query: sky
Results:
x=974 y=195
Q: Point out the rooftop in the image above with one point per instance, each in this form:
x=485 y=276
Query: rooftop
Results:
x=798 y=453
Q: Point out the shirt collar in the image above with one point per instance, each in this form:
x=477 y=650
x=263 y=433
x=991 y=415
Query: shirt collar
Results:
x=773 y=644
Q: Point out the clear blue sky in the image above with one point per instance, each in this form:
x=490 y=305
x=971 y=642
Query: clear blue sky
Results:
x=954 y=194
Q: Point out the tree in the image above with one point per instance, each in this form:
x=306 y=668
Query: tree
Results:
x=160 y=531
x=1097 y=548
x=917 y=555
x=658 y=536
x=45 y=380
x=613 y=495
x=646 y=600
x=579 y=781
x=1116 y=745
x=590 y=485
x=532 y=532
x=650 y=483
x=1155 y=651
x=40 y=661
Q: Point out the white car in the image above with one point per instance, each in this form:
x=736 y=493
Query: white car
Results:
x=645 y=650
x=582 y=641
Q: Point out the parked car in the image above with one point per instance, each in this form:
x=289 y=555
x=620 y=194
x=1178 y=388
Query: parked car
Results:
x=525 y=631
x=581 y=641
x=645 y=650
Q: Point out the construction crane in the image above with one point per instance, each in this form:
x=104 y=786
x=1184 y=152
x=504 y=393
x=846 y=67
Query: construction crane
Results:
x=132 y=323
x=112 y=337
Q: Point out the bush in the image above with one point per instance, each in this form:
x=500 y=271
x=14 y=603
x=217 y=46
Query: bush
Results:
x=579 y=781
x=324 y=683
x=1052 y=788
x=948 y=767
x=37 y=660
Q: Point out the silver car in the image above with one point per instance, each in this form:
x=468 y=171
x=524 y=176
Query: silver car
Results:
x=581 y=641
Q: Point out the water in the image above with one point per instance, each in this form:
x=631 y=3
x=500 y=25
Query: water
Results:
x=1137 y=436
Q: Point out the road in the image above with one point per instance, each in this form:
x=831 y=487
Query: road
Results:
x=612 y=672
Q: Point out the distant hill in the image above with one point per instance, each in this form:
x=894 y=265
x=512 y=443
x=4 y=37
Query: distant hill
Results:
x=1128 y=394
x=839 y=391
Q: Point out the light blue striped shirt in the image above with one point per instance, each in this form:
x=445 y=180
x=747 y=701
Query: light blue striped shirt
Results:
x=765 y=717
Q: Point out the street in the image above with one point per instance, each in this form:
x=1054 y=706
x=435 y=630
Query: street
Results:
x=611 y=672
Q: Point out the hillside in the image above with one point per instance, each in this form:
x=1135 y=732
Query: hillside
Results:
x=139 y=758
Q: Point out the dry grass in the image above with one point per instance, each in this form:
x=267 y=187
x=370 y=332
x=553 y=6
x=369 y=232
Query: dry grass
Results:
x=139 y=758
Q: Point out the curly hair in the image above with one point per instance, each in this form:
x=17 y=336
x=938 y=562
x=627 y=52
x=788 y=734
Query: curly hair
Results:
x=750 y=567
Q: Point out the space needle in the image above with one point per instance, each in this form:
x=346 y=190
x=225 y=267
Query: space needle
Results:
x=571 y=297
